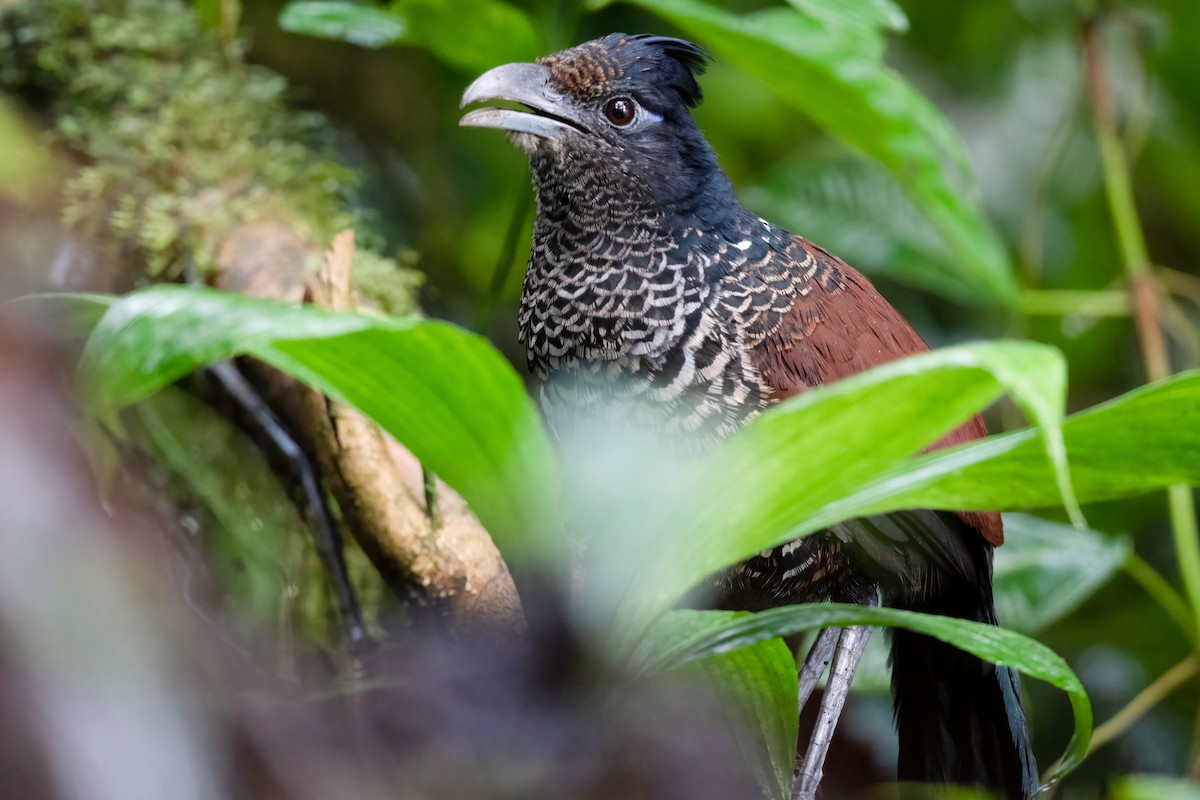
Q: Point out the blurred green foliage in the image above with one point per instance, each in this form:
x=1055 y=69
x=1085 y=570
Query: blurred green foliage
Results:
x=177 y=141
x=498 y=32
x=945 y=148
x=460 y=409
x=1009 y=78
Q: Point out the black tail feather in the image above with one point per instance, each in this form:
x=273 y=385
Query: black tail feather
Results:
x=959 y=719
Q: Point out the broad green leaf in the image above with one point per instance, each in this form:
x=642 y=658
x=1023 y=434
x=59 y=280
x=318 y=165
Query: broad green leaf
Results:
x=766 y=485
x=153 y=337
x=444 y=393
x=1139 y=442
x=471 y=34
x=757 y=686
x=722 y=633
x=1046 y=570
x=1153 y=787
x=826 y=60
x=859 y=23
x=365 y=26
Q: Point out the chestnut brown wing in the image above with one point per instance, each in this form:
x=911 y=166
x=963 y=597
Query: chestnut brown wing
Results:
x=838 y=324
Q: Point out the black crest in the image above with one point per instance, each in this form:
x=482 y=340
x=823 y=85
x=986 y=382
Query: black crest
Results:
x=678 y=62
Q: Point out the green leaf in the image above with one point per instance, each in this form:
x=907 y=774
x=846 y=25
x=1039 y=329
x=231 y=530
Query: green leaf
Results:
x=151 y=338
x=859 y=22
x=770 y=483
x=758 y=689
x=365 y=26
x=1141 y=441
x=1046 y=570
x=444 y=393
x=1153 y=787
x=725 y=633
x=471 y=34
x=825 y=59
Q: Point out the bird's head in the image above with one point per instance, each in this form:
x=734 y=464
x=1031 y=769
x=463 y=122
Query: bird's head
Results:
x=610 y=115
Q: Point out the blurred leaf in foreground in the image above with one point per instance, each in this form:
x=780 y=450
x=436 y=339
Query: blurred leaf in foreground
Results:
x=444 y=393
x=708 y=633
x=1154 y=787
x=757 y=685
x=469 y=34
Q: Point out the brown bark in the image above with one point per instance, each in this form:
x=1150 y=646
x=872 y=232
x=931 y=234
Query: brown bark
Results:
x=379 y=487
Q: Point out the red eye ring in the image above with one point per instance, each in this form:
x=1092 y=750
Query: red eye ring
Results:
x=620 y=111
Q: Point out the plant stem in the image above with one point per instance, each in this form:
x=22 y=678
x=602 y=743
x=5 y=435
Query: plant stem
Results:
x=1143 y=289
x=1187 y=541
x=1064 y=302
x=1116 y=170
x=1145 y=700
x=1182 y=284
x=1163 y=593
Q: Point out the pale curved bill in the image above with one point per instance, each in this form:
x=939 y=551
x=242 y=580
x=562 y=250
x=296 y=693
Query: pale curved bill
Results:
x=519 y=121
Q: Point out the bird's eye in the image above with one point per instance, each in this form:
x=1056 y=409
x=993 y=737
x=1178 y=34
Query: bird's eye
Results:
x=620 y=111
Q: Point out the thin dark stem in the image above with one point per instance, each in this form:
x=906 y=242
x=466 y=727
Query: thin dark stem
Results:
x=326 y=536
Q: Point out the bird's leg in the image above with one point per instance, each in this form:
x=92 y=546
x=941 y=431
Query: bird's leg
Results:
x=851 y=642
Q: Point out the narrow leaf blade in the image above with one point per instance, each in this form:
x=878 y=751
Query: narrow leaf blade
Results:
x=758 y=688
x=720 y=635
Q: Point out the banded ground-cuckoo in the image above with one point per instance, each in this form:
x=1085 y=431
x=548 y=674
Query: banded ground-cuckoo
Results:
x=646 y=268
